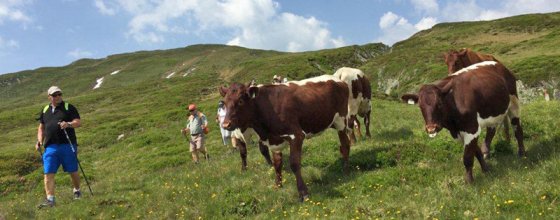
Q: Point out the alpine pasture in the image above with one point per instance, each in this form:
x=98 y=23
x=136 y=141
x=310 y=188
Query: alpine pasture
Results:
x=399 y=173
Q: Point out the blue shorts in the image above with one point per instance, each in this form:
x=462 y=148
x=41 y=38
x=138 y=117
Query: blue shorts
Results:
x=57 y=154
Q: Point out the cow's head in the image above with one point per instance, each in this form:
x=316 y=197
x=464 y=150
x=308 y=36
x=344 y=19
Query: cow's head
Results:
x=430 y=99
x=454 y=60
x=238 y=99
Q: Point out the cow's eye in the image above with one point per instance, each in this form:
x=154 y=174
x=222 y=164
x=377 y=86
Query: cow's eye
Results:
x=240 y=102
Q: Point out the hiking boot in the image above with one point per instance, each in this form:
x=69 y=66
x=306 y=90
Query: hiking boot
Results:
x=77 y=195
x=46 y=204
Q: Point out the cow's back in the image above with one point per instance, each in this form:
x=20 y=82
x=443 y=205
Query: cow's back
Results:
x=312 y=105
x=483 y=91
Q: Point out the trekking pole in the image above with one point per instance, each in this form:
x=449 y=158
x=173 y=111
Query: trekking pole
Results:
x=42 y=162
x=76 y=154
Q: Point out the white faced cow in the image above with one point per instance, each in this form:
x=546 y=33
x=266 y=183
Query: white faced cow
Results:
x=290 y=112
x=464 y=103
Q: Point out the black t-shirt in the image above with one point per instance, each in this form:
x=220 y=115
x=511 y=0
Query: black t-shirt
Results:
x=50 y=119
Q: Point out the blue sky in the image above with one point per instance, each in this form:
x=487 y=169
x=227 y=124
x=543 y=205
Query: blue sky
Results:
x=36 y=33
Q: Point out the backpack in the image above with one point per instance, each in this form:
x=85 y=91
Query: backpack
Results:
x=205 y=130
x=47 y=107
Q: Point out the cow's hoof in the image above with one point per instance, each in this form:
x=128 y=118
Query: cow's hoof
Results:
x=522 y=154
x=469 y=179
x=485 y=169
x=243 y=168
x=304 y=198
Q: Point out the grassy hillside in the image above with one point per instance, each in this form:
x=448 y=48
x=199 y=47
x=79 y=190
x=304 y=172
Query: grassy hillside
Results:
x=399 y=173
x=526 y=44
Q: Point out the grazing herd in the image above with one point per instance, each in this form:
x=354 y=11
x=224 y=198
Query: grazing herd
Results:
x=479 y=92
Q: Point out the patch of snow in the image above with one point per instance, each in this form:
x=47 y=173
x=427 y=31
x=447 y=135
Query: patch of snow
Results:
x=170 y=75
x=189 y=71
x=115 y=72
x=99 y=81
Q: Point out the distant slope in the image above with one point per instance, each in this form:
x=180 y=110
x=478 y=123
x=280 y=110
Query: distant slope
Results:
x=527 y=44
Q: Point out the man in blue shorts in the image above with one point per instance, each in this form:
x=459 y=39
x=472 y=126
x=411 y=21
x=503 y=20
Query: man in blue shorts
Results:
x=55 y=117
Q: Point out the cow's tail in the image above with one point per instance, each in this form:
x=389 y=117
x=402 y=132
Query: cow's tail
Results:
x=513 y=112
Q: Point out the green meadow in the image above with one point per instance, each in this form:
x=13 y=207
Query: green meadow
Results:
x=398 y=173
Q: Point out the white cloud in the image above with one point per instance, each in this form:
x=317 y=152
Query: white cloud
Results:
x=6 y=44
x=248 y=23
x=12 y=10
x=426 y=23
x=426 y=6
x=395 y=27
x=79 y=53
x=388 y=19
x=469 y=10
x=104 y=9
x=515 y=7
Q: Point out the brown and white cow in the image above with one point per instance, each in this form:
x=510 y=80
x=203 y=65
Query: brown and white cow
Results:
x=290 y=112
x=359 y=101
x=464 y=103
x=456 y=61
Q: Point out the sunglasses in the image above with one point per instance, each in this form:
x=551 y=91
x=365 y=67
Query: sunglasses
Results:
x=56 y=94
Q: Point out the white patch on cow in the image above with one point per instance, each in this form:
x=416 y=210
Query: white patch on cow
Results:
x=473 y=67
x=433 y=135
x=468 y=137
x=323 y=78
x=490 y=121
x=275 y=148
x=170 y=75
x=411 y=102
x=243 y=136
x=115 y=72
x=99 y=82
x=291 y=136
x=339 y=122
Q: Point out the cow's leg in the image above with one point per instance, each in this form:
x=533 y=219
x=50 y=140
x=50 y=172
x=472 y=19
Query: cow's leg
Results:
x=366 y=123
x=481 y=160
x=468 y=159
x=490 y=132
x=514 y=113
x=351 y=131
x=277 y=158
x=295 y=165
x=243 y=153
x=357 y=128
x=344 y=149
x=265 y=152
x=519 y=136
x=506 y=129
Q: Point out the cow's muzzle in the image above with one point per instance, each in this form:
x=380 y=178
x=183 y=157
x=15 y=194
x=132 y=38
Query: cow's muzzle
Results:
x=226 y=124
x=432 y=130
